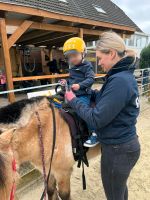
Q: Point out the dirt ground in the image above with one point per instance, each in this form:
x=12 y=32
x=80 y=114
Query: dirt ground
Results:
x=139 y=182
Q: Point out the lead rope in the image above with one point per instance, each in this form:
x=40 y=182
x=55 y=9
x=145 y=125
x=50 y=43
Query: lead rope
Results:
x=13 y=189
x=42 y=152
x=53 y=149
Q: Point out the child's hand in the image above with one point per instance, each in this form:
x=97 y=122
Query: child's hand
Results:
x=63 y=82
x=75 y=87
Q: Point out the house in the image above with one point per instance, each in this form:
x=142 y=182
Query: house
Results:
x=137 y=42
x=33 y=25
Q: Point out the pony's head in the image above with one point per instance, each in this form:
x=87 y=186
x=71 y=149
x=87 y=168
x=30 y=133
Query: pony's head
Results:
x=6 y=157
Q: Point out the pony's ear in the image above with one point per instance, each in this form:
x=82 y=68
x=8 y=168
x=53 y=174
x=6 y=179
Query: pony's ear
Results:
x=5 y=139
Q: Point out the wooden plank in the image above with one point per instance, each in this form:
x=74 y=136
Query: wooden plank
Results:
x=51 y=15
x=17 y=34
x=17 y=79
x=7 y=61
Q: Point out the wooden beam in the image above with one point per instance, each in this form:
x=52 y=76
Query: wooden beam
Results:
x=17 y=34
x=17 y=79
x=7 y=61
x=81 y=33
x=52 y=27
x=47 y=14
x=57 y=28
x=51 y=54
x=92 y=32
x=40 y=77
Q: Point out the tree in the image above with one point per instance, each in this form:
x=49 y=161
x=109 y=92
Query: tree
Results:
x=145 y=57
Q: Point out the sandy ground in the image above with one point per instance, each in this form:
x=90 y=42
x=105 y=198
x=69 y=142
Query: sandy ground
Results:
x=139 y=182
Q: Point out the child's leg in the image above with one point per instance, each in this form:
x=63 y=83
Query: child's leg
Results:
x=93 y=139
x=85 y=99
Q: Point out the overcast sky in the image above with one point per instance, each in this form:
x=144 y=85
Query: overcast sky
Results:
x=138 y=11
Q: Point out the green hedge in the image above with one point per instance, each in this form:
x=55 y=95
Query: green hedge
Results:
x=145 y=57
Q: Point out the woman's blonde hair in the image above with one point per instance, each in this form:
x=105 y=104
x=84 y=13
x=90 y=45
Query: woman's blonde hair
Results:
x=111 y=40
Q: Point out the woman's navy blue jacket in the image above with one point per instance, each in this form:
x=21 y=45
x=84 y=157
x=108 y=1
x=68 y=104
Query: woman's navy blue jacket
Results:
x=116 y=105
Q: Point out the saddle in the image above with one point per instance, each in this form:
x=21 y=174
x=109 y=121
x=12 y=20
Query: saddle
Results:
x=78 y=129
x=79 y=134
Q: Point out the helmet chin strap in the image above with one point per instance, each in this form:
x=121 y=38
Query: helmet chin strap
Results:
x=84 y=55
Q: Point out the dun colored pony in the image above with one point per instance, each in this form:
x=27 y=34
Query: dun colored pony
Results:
x=19 y=140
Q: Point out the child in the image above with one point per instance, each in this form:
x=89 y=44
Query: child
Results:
x=81 y=75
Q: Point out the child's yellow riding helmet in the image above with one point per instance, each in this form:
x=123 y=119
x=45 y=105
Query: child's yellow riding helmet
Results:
x=74 y=44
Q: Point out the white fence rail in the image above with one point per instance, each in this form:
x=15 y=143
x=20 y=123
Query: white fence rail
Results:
x=143 y=79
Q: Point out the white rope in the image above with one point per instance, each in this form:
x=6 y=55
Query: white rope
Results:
x=29 y=88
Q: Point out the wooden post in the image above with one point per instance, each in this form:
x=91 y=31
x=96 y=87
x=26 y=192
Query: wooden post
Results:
x=81 y=33
x=51 y=54
x=7 y=61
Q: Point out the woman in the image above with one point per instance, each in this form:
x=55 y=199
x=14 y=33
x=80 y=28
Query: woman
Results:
x=114 y=115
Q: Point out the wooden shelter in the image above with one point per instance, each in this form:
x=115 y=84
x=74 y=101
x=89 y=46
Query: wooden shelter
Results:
x=50 y=23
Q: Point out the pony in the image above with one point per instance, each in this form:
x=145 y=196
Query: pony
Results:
x=19 y=139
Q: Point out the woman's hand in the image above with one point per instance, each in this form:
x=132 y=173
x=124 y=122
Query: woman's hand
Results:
x=75 y=87
x=69 y=95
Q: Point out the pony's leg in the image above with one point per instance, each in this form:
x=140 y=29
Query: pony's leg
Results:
x=63 y=181
x=51 y=190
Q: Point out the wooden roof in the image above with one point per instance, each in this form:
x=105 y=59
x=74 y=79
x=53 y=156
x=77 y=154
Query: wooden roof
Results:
x=81 y=8
x=64 y=19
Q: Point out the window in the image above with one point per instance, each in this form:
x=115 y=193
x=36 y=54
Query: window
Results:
x=64 y=1
x=99 y=9
x=138 y=41
x=131 y=40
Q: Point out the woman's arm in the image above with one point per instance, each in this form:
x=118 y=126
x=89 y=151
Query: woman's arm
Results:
x=114 y=98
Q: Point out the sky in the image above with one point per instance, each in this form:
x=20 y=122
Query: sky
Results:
x=138 y=11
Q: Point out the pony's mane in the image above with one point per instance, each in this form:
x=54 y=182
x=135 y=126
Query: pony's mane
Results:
x=2 y=172
x=12 y=113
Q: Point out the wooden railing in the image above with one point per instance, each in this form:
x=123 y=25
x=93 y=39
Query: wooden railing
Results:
x=28 y=78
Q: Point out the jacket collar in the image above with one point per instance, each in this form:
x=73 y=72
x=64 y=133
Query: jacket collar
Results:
x=125 y=64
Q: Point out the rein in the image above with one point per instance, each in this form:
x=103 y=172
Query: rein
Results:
x=14 y=170
x=40 y=133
